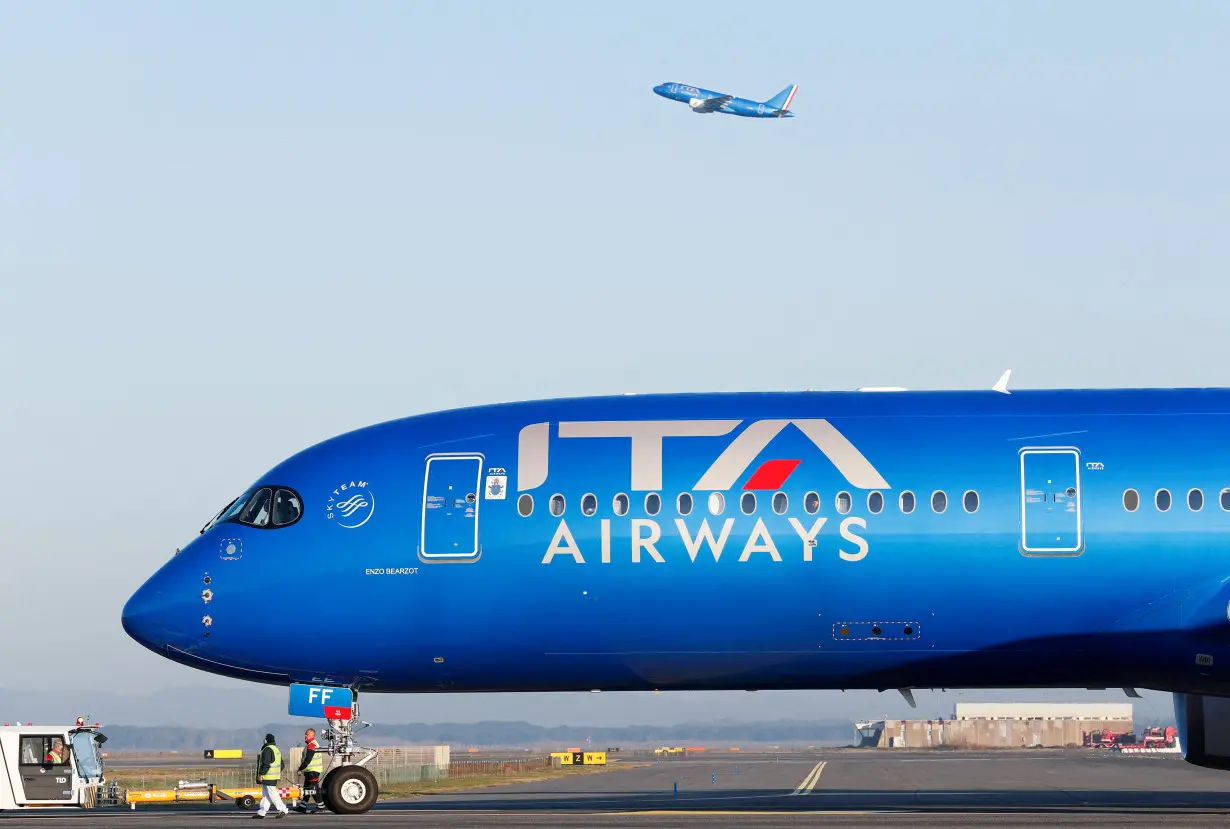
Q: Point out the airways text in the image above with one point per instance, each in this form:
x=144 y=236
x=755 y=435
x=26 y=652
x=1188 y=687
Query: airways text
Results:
x=647 y=534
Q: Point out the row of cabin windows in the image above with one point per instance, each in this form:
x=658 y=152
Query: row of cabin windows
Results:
x=780 y=502
x=1163 y=501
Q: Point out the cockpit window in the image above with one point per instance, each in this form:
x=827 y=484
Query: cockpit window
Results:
x=229 y=511
x=264 y=507
x=255 y=512
x=286 y=508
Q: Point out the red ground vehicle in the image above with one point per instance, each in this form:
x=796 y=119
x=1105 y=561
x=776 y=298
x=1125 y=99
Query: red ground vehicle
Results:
x=1157 y=737
x=1105 y=739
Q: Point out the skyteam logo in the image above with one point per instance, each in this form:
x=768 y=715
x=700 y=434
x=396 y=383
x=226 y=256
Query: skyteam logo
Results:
x=646 y=436
x=351 y=505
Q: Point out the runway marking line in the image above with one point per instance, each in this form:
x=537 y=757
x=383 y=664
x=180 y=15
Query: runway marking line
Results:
x=812 y=778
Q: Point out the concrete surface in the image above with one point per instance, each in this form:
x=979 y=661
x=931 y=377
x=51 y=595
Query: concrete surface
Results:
x=826 y=787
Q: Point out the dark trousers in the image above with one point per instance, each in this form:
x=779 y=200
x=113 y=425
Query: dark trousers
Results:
x=311 y=787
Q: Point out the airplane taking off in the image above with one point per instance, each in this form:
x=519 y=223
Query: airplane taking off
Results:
x=704 y=100
x=872 y=539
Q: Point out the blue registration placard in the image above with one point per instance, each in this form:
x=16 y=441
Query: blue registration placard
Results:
x=312 y=700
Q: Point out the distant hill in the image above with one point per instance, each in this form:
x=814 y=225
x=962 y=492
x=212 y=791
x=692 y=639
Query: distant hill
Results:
x=123 y=738
x=206 y=716
x=192 y=705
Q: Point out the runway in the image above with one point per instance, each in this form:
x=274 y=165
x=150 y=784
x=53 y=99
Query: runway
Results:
x=833 y=787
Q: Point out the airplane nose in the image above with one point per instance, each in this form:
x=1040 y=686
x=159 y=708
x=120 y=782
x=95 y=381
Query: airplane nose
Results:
x=149 y=615
x=139 y=613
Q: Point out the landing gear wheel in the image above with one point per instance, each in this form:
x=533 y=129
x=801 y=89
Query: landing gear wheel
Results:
x=351 y=790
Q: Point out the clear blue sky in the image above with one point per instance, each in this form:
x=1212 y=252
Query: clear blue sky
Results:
x=229 y=230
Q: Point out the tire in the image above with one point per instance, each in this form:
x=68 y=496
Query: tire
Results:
x=246 y=802
x=352 y=790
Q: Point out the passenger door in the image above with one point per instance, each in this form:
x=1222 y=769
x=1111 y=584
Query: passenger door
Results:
x=1051 y=521
x=451 y=487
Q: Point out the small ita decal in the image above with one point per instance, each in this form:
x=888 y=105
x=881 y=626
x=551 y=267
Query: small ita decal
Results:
x=351 y=505
x=497 y=484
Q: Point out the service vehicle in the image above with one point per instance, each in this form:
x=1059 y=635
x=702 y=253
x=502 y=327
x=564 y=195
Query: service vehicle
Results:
x=50 y=766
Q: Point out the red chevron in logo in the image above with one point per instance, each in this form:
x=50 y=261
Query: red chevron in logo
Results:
x=771 y=474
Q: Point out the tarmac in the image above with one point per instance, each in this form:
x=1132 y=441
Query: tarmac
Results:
x=868 y=787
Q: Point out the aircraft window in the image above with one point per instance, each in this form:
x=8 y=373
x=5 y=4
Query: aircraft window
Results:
x=620 y=504
x=1162 y=500
x=525 y=505
x=970 y=501
x=287 y=508
x=1131 y=500
x=875 y=502
x=748 y=503
x=1225 y=499
x=717 y=503
x=653 y=503
x=1195 y=500
x=557 y=505
x=589 y=504
x=907 y=502
x=811 y=503
x=781 y=502
x=684 y=503
x=255 y=512
x=843 y=502
x=229 y=511
x=939 y=501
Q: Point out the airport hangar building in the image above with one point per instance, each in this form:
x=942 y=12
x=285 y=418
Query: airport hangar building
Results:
x=1002 y=725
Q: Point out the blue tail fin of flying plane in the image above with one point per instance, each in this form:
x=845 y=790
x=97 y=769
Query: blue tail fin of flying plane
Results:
x=781 y=101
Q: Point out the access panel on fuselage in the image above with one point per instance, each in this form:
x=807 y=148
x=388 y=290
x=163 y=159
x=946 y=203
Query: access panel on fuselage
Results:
x=450 y=507
x=1050 y=501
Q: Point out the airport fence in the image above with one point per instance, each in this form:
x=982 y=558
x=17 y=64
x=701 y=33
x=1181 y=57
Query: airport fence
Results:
x=392 y=765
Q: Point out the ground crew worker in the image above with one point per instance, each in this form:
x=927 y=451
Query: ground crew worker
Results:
x=268 y=774
x=56 y=755
x=311 y=768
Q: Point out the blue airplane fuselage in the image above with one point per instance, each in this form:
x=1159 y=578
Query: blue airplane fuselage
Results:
x=728 y=541
x=695 y=97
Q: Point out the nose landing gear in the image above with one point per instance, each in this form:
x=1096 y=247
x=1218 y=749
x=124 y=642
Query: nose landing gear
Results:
x=348 y=788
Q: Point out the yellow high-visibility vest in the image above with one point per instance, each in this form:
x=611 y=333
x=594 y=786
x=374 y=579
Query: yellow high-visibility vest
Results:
x=275 y=768
x=317 y=763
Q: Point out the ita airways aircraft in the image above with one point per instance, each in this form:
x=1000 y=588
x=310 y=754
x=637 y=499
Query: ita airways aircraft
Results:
x=704 y=100
x=869 y=539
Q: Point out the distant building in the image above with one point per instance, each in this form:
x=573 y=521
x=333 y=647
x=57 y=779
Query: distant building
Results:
x=1007 y=725
x=1043 y=711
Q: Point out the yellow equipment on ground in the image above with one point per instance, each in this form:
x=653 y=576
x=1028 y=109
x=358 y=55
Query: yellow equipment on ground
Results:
x=244 y=798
